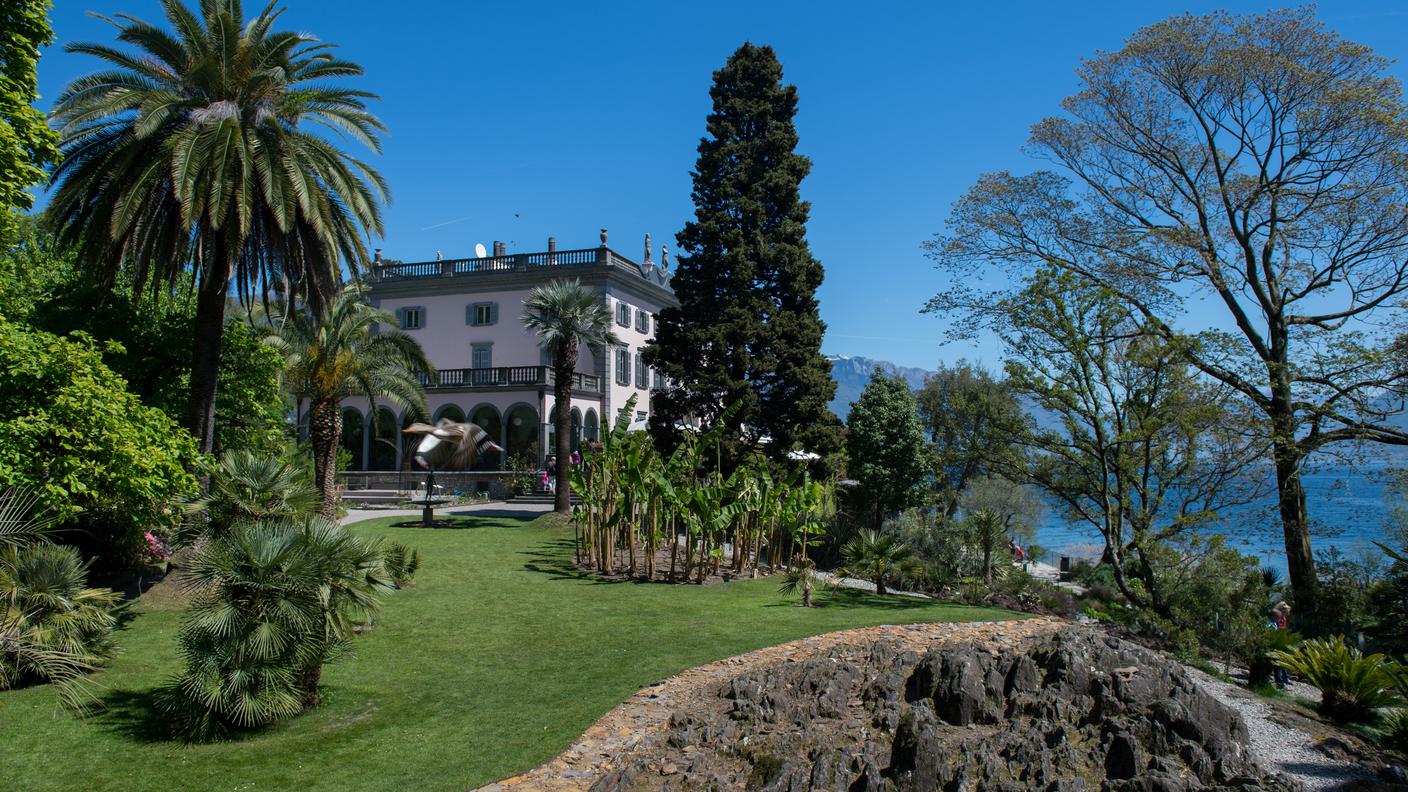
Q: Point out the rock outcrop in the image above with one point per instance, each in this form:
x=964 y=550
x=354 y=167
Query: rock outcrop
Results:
x=1075 y=710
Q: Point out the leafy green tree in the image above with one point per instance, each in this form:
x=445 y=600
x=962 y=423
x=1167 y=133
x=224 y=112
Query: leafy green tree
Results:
x=1251 y=162
x=747 y=331
x=994 y=510
x=93 y=453
x=1138 y=448
x=195 y=155
x=27 y=144
x=889 y=457
x=564 y=315
x=342 y=353
x=973 y=420
x=876 y=557
x=32 y=267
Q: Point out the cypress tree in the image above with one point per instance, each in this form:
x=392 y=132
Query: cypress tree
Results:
x=747 y=331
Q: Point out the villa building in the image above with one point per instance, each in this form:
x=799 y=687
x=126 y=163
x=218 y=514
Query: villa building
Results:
x=467 y=315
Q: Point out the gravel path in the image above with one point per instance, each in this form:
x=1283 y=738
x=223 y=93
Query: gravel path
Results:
x=490 y=509
x=1279 y=748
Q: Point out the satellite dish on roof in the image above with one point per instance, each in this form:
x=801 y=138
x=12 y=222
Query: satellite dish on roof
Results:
x=479 y=251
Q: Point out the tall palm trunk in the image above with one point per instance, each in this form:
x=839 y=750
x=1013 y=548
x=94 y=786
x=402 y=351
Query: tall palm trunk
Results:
x=324 y=431
x=205 y=352
x=565 y=365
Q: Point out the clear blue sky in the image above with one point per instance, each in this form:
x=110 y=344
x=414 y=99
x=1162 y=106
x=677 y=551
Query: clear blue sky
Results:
x=516 y=121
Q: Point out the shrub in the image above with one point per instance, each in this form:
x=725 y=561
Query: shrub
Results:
x=1352 y=686
x=1260 y=668
x=1395 y=730
x=272 y=602
x=52 y=628
x=246 y=487
x=401 y=563
x=44 y=596
x=72 y=433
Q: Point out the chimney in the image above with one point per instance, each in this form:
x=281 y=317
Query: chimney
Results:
x=500 y=248
x=376 y=256
x=552 y=244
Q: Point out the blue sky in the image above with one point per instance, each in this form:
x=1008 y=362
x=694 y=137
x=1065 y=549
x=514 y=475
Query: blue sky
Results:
x=516 y=121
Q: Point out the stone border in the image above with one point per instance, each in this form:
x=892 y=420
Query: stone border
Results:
x=648 y=712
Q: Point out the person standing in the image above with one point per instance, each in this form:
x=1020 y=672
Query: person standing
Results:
x=1281 y=620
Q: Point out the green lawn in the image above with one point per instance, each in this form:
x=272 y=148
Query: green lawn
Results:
x=496 y=660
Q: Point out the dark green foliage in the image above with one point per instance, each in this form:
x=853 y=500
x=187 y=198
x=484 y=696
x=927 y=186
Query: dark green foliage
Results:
x=401 y=563
x=889 y=456
x=107 y=465
x=1352 y=686
x=44 y=595
x=271 y=603
x=747 y=331
x=27 y=143
x=876 y=557
x=1259 y=670
x=246 y=487
x=974 y=421
x=193 y=154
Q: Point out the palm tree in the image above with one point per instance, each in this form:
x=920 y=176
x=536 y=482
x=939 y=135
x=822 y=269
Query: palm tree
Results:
x=196 y=151
x=874 y=556
x=247 y=487
x=565 y=314
x=334 y=356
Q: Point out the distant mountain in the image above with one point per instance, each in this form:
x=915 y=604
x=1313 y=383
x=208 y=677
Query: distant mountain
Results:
x=852 y=373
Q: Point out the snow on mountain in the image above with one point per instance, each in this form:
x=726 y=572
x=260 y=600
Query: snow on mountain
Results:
x=852 y=372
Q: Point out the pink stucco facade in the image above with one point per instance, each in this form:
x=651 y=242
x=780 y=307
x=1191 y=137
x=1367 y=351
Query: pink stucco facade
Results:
x=467 y=316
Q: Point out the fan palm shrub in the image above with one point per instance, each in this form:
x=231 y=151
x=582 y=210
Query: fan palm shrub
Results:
x=803 y=579
x=565 y=314
x=271 y=603
x=340 y=353
x=248 y=487
x=53 y=628
x=1352 y=686
x=195 y=151
x=876 y=557
x=401 y=563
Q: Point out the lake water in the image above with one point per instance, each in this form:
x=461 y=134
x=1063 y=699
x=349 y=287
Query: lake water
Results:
x=1349 y=505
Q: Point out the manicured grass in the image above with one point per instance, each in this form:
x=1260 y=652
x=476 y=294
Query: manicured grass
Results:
x=496 y=660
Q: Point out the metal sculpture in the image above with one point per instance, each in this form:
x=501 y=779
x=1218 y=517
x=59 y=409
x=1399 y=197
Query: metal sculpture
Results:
x=448 y=445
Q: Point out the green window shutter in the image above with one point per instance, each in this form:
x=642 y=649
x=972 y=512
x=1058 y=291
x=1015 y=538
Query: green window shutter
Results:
x=469 y=314
x=493 y=313
x=400 y=317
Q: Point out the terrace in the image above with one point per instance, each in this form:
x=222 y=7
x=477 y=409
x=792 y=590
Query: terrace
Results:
x=598 y=259
x=505 y=377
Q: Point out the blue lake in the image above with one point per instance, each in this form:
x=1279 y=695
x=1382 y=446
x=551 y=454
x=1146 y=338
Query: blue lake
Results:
x=1350 y=507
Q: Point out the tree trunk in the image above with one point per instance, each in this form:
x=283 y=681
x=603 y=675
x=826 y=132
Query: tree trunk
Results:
x=1300 y=563
x=880 y=585
x=324 y=432
x=308 y=681
x=205 y=356
x=806 y=592
x=566 y=366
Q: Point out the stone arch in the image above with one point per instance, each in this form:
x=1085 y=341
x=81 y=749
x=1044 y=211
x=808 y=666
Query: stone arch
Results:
x=486 y=416
x=383 y=452
x=591 y=426
x=576 y=428
x=451 y=411
x=521 y=431
x=354 y=437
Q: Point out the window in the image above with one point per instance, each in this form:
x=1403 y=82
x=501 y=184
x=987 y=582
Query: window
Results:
x=641 y=415
x=623 y=314
x=481 y=314
x=412 y=318
x=482 y=356
x=642 y=373
x=623 y=366
x=659 y=380
x=642 y=322
x=655 y=321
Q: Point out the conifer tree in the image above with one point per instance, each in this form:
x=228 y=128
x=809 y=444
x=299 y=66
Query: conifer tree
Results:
x=747 y=331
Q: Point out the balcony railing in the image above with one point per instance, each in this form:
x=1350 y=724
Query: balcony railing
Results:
x=508 y=377
x=517 y=262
